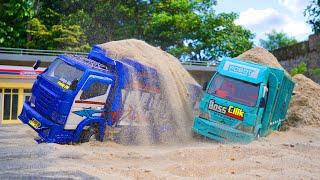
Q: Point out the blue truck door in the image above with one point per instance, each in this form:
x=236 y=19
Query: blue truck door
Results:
x=89 y=101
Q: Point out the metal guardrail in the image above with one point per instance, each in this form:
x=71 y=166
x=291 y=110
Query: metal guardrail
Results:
x=200 y=63
x=39 y=52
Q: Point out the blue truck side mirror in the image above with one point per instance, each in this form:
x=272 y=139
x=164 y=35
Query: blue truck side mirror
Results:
x=36 y=64
x=205 y=85
x=74 y=84
x=262 y=103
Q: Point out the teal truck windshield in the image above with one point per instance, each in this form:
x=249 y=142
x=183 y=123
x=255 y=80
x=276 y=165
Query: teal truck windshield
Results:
x=234 y=90
x=62 y=73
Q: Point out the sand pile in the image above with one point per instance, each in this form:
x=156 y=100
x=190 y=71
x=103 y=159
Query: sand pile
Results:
x=165 y=116
x=304 y=106
x=261 y=56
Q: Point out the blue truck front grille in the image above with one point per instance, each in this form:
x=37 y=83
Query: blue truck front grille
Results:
x=45 y=102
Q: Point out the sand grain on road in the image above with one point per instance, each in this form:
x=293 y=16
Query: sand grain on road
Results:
x=293 y=154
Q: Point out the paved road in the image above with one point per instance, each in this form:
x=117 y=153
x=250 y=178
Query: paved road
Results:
x=22 y=158
x=293 y=154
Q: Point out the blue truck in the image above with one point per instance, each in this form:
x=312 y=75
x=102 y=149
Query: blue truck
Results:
x=243 y=101
x=76 y=98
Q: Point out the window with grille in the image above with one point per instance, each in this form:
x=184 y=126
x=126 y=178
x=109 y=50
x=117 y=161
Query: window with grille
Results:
x=9 y=103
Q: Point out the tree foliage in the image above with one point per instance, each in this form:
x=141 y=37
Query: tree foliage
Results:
x=39 y=36
x=313 y=14
x=191 y=30
x=47 y=30
x=277 y=40
x=14 y=16
x=187 y=29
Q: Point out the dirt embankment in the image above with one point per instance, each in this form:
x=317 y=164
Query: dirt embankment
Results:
x=304 y=107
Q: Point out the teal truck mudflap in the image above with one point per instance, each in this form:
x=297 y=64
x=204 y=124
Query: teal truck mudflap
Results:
x=220 y=132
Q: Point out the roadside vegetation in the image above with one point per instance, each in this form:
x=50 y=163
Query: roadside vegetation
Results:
x=186 y=29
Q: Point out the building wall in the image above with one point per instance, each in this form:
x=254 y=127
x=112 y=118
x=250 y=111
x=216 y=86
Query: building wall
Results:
x=15 y=87
x=307 y=52
x=202 y=76
x=12 y=96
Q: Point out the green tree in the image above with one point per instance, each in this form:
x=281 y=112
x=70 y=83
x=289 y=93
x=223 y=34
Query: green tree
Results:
x=39 y=36
x=216 y=36
x=313 y=14
x=69 y=38
x=277 y=40
x=192 y=30
x=109 y=20
x=48 y=30
x=187 y=29
x=58 y=37
x=14 y=17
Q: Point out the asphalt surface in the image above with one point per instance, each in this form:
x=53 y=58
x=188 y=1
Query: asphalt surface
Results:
x=22 y=158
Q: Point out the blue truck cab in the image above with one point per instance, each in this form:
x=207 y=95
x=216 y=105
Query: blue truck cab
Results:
x=76 y=97
x=243 y=101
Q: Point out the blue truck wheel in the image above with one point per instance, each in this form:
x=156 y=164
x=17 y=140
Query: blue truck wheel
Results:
x=88 y=134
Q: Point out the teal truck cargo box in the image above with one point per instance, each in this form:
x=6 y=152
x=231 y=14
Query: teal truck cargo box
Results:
x=243 y=101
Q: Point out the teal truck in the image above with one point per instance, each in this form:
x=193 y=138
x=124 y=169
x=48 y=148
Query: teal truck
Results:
x=243 y=101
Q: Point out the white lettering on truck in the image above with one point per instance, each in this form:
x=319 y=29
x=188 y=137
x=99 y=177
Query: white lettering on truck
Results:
x=241 y=69
x=216 y=107
x=230 y=111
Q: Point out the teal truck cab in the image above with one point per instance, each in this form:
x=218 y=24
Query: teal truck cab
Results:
x=243 y=101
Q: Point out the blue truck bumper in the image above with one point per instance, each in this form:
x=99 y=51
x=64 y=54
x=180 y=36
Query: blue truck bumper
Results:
x=47 y=130
x=220 y=132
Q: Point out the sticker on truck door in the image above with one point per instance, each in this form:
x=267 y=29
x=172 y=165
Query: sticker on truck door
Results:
x=88 y=103
x=230 y=111
x=63 y=83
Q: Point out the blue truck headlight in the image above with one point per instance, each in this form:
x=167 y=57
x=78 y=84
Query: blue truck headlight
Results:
x=32 y=100
x=204 y=115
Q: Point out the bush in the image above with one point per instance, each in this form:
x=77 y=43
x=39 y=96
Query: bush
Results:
x=300 y=69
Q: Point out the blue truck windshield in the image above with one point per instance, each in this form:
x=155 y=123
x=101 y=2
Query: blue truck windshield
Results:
x=62 y=73
x=234 y=90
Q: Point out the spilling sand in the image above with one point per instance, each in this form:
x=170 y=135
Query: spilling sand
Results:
x=304 y=106
x=166 y=116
